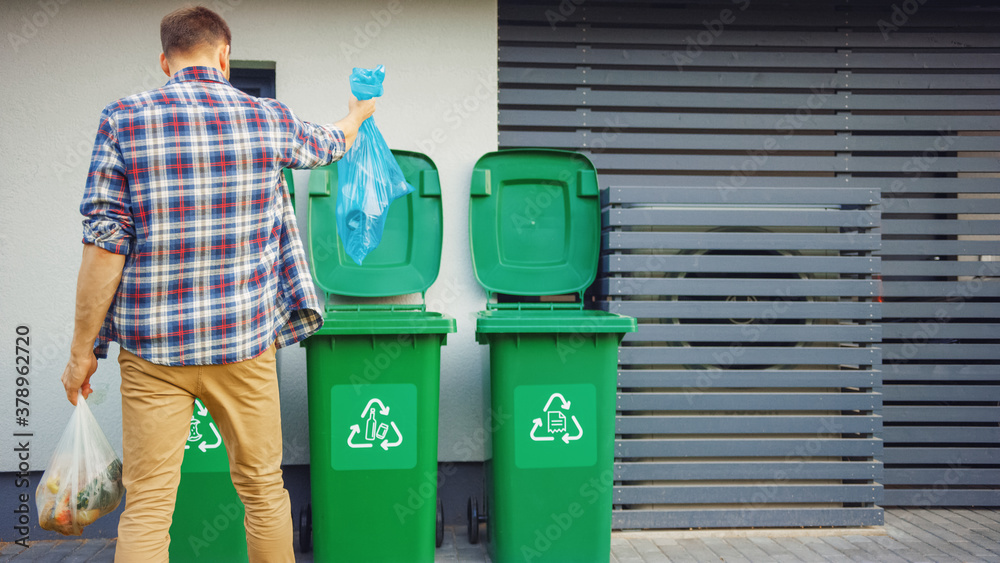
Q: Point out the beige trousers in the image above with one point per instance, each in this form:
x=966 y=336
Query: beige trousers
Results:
x=157 y=402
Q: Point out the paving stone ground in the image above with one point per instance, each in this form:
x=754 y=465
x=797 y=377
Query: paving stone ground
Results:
x=909 y=536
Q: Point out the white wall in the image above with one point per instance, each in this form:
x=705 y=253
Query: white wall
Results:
x=62 y=61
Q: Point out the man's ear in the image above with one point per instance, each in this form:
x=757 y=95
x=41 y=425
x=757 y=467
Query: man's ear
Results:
x=164 y=65
x=224 y=60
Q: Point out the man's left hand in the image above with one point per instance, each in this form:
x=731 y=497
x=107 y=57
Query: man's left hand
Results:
x=76 y=376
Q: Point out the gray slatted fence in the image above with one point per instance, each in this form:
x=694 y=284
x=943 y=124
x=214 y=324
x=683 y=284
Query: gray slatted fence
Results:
x=754 y=99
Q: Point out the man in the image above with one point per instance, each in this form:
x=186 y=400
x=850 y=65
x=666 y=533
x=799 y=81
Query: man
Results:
x=192 y=262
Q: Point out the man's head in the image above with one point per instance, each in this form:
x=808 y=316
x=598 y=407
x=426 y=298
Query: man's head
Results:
x=194 y=35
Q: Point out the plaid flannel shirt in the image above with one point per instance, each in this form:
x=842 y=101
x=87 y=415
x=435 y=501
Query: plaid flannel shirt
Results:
x=186 y=181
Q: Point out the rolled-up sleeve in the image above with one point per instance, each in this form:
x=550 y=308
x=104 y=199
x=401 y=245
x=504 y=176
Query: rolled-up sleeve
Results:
x=305 y=144
x=106 y=206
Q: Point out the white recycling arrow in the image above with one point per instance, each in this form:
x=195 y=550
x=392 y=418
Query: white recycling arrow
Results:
x=384 y=410
x=202 y=411
x=218 y=439
x=385 y=443
x=566 y=437
x=538 y=424
x=354 y=430
x=565 y=403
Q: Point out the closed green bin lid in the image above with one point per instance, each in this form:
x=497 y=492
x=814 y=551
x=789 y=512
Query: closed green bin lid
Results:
x=408 y=257
x=534 y=222
x=526 y=321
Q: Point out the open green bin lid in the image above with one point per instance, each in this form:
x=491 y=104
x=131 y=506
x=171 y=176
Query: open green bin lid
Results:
x=387 y=321
x=408 y=257
x=534 y=222
x=525 y=321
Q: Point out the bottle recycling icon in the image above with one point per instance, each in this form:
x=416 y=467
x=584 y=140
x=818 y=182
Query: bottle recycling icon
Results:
x=374 y=429
x=555 y=422
x=194 y=433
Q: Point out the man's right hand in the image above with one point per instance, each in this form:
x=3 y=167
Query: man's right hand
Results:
x=76 y=376
x=358 y=111
x=361 y=109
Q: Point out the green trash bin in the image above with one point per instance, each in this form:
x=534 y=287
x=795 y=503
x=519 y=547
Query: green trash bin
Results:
x=373 y=382
x=208 y=516
x=535 y=231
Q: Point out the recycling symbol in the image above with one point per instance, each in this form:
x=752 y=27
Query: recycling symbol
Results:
x=376 y=431
x=194 y=433
x=555 y=422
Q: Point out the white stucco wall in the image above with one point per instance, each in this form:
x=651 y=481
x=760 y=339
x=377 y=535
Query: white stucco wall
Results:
x=62 y=61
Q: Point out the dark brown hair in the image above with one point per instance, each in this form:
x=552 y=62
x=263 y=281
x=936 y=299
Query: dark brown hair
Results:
x=190 y=27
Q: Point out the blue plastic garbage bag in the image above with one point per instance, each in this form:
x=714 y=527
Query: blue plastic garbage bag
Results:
x=369 y=177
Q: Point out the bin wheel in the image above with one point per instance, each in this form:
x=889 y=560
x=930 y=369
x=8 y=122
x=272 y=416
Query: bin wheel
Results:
x=439 y=532
x=484 y=517
x=306 y=529
x=473 y=513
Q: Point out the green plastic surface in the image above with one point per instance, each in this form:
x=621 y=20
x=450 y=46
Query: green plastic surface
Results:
x=534 y=222
x=374 y=477
x=550 y=469
x=409 y=255
x=208 y=514
x=385 y=322
x=556 y=321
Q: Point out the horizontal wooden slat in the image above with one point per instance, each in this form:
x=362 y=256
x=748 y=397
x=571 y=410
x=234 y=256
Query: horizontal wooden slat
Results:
x=940 y=414
x=775 y=288
x=943 y=455
x=944 y=248
x=784 y=124
x=730 y=186
x=757 y=494
x=966 y=289
x=941 y=310
x=757 y=517
x=680 y=59
x=612 y=137
x=701 y=262
x=741 y=241
x=749 y=447
x=648 y=99
x=744 y=310
x=708 y=424
x=929 y=351
x=951 y=372
x=948 y=476
x=941 y=497
x=940 y=204
x=692 y=215
x=695 y=400
x=775 y=191
x=949 y=268
x=941 y=227
x=754 y=333
x=816 y=37
x=927 y=392
x=941 y=434
x=512 y=74
x=716 y=470
x=728 y=162
x=737 y=355
x=931 y=329
x=708 y=379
